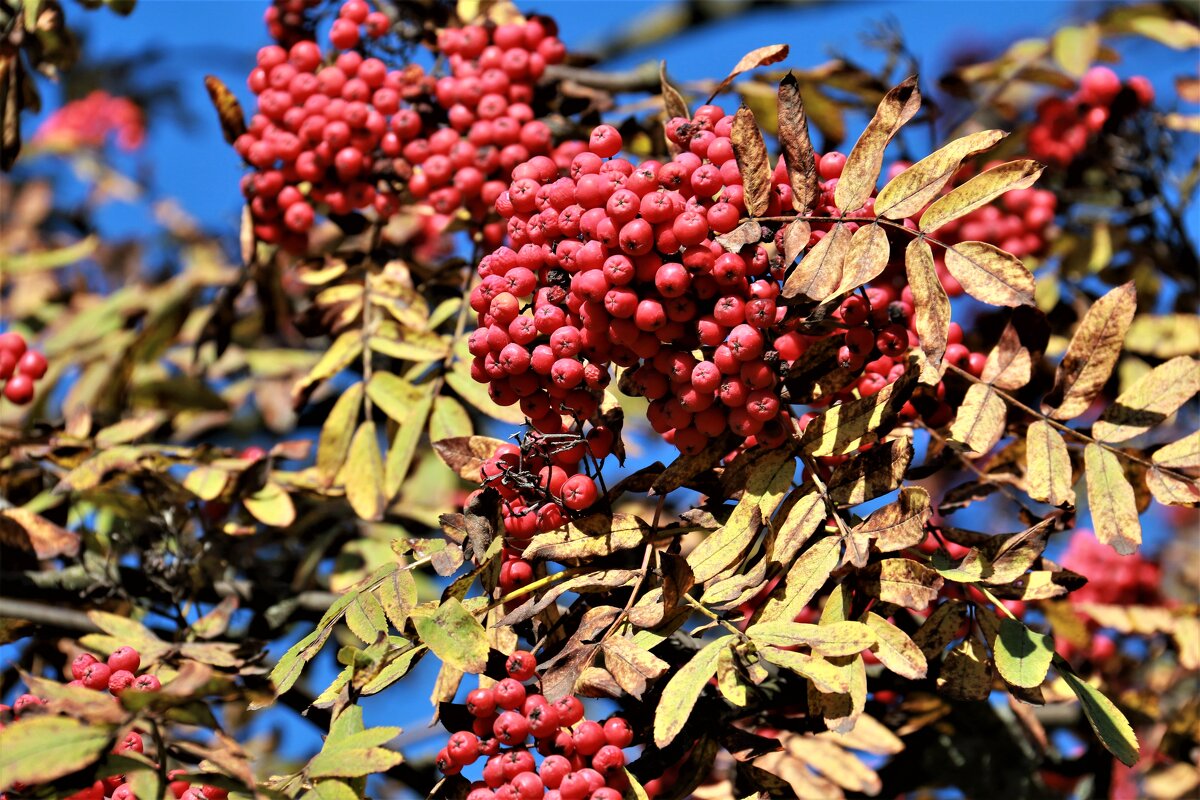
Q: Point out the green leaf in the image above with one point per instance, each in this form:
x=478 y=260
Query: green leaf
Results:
x=1106 y=720
x=365 y=617
x=355 y=755
x=454 y=636
x=394 y=671
x=44 y=748
x=1022 y=655
x=684 y=689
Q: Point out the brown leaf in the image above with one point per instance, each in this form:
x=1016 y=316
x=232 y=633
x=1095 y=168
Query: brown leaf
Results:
x=940 y=628
x=686 y=467
x=753 y=163
x=795 y=239
x=912 y=189
x=673 y=102
x=931 y=308
x=797 y=148
x=980 y=421
x=857 y=181
x=1009 y=365
x=1091 y=354
x=1151 y=400
x=866 y=259
x=967 y=672
x=866 y=475
x=466 y=454
x=1111 y=501
x=564 y=669
x=749 y=232
x=819 y=273
x=1048 y=465
x=632 y=667
x=900 y=524
x=759 y=57
x=229 y=111
x=22 y=529
x=903 y=582
x=589 y=537
x=979 y=191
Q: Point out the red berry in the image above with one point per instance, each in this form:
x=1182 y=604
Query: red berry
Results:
x=509 y=694
x=125 y=658
x=19 y=389
x=147 y=683
x=120 y=680
x=511 y=728
x=618 y=733
x=96 y=676
x=81 y=663
x=521 y=665
x=14 y=343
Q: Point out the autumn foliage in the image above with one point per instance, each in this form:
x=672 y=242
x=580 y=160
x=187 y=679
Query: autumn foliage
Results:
x=687 y=445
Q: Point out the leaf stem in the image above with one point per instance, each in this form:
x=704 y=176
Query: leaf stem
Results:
x=706 y=611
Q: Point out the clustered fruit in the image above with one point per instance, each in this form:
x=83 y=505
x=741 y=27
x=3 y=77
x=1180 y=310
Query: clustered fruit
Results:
x=288 y=21
x=90 y=120
x=116 y=675
x=617 y=264
x=1065 y=126
x=323 y=126
x=20 y=367
x=581 y=758
x=353 y=135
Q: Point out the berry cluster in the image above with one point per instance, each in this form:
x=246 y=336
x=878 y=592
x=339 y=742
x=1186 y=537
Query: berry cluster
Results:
x=116 y=675
x=89 y=121
x=1065 y=126
x=19 y=368
x=491 y=126
x=324 y=125
x=581 y=758
x=288 y=21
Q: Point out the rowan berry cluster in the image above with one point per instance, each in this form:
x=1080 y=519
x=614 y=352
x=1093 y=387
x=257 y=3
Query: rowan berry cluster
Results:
x=491 y=125
x=116 y=675
x=581 y=758
x=20 y=367
x=288 y=21
x=1065 y=126
x=325 y=126
x=91 y=120
x=358 y=133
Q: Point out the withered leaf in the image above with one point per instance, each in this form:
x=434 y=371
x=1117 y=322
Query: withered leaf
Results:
x=846 y=427
x=795 y=239
x=833 y=639
x=941 y=627
x=915 y=187
x=1091 y=354
x=900 y=524
x=967 y=672
x=229 y=110
x=797 y=149
x=1111 y=501
x=466 y=454
x=1009 y=365
x=866 y=259
x=805 y=515
x=979 y=191
x=1048 y=471
x=753 y=162
x=980 y=421
x=819 y=273
x=858 y=177
x=589 y=537
x=631 y=666
x=673 y=102
x=22 y=529
x=903 y=582
x=1151 y=400
x=759 y=57
x=896 y=650
x=989 y=274
x=866 y=475
x=931 y=308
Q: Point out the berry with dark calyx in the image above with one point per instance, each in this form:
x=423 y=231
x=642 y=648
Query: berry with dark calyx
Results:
x=147 y=683
x=511 y=727
x=120 y=680
x=521 y=665
x=509 y=693
x=125 y=658
x=96 y=676
x=481 y=702
x=80 y=663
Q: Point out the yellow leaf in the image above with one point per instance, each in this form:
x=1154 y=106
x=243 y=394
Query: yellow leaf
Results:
x=336 y=433
x=845 y=428
x=857 y=181
x=990 y=274
x=1075 y=47
x=476 y=394
x=1111 y=501
x=804 y=579
x=912 y=189
x=819 y=273
x=362 y=474
x=404 y=444
x=980 y=421
x=896 y=650
x=1154 y=398
x=979 y=191
x=271 y=505
x=393 y=395
x=684 y=689
x=1048 y=465
x=866 y=259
